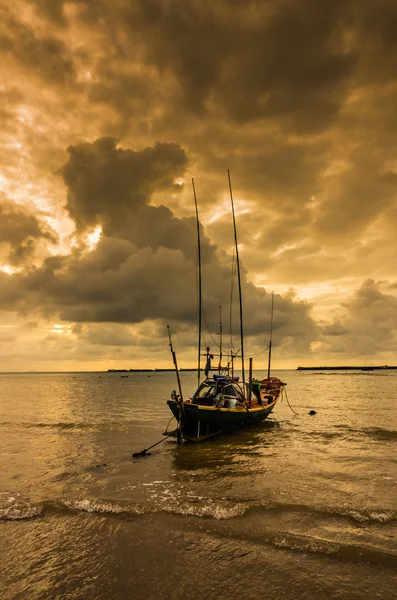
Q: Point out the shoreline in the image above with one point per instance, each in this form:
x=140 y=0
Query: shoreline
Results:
x=345 y=368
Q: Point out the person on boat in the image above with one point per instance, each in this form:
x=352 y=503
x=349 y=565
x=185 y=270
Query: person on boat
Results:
x=208 y=363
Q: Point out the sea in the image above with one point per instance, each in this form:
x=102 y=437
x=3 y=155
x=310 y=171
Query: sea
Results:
x=303 y=506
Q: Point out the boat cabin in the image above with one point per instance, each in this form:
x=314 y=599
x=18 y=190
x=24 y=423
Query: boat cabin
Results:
x=224 y=392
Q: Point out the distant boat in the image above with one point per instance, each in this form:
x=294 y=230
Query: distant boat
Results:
x=367 y=367
x=223 y=402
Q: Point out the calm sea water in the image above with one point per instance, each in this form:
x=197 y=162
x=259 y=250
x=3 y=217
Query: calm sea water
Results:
x=299 y=507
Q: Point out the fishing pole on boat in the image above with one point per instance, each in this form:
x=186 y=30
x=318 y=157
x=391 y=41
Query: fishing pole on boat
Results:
x=250 y=381
x=180 y=399
x=175 y=364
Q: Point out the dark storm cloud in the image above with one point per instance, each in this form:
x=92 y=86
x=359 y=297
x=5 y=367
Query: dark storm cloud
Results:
x=42 y=54
x=355 y=200
x=369 y=324
x=106 y=183
x=244 y=60
x=54 y=11
x=137 y=285
x=112 y=187
x=21 y=231
x=148 y=273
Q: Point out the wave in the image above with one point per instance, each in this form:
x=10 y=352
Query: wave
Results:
x=66 y=425
x=164 y=497
x=377 y=433
x=343 y=551
x=15 y=508
x=188 y=507
x=100 y=507
x=211 y=510
x=19 y=510
x=367 y=516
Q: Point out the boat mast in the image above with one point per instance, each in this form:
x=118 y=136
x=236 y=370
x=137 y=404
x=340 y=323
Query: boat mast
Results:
x=271 y=335
x=199 y=283
x=239 y=283
x=220 y=340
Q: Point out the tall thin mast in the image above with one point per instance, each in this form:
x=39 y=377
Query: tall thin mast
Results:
x=199 y=283
x=271 y=335
x=239 y=283
x=220 y=339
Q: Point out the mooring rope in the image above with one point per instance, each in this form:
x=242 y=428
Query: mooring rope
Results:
x=144 y=452
x=286 y=396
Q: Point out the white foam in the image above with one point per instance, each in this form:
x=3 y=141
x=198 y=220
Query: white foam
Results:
x=100 y=507
x=374 y=515
x=15 y=508
x=211 y=510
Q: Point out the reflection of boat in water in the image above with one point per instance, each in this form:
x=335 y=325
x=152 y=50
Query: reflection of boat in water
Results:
x=224 y=402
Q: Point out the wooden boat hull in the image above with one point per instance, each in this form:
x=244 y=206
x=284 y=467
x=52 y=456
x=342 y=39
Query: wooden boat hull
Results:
x=202 y=422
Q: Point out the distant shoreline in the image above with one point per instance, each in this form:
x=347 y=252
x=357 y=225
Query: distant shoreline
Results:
x=146 y=370
x=191 y=369
x=363 y=368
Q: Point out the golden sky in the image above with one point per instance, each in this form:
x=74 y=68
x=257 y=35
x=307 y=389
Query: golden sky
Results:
x=109 y=108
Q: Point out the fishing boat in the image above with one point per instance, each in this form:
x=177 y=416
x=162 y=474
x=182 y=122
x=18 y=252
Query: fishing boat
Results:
x=225 y=401
x=221 y=404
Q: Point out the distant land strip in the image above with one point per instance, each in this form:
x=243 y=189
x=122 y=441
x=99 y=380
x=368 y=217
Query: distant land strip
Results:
x=364 y=368
x=146 y=370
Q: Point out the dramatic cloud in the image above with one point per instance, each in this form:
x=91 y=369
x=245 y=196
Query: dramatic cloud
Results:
x=106 y=184
x=41 y=53
x=20 y=233
x=108 y=110
x=148 y=271
x=369 y=325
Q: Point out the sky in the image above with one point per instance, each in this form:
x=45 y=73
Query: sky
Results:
x=110 y=108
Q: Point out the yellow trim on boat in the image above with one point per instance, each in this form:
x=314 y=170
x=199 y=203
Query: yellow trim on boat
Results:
x=233 y=410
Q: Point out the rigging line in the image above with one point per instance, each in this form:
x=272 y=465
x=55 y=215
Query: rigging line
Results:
x=233 y=277
x=258 y=353
x=209 y=333
x=168 y=424
x=204 y=340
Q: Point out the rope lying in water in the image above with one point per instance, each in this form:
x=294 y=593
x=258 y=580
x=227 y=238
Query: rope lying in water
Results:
x=286 y=396
x=145 y=451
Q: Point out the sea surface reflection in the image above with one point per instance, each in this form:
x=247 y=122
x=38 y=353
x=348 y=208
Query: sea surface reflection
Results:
x=266 y=508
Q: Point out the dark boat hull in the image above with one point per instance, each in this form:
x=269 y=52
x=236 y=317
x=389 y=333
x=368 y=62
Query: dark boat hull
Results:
x=202 y=422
